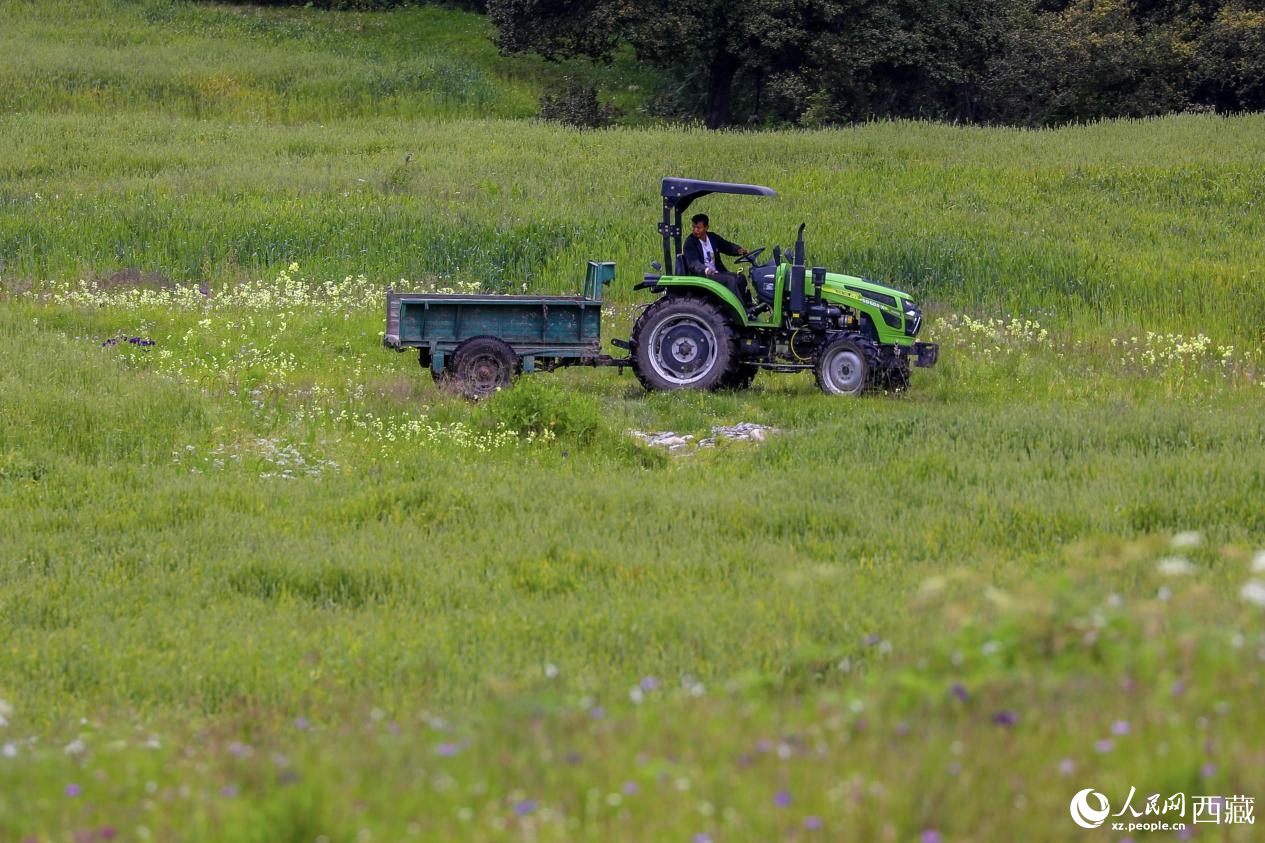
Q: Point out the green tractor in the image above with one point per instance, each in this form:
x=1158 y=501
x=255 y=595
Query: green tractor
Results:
x=854 y=334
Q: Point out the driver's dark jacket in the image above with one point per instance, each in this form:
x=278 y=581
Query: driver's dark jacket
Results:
x=693 y=253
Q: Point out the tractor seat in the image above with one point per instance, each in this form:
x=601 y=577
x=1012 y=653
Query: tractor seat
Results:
x=764 y=280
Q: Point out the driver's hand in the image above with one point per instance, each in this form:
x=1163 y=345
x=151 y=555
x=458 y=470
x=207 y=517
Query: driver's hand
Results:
x=741 y=251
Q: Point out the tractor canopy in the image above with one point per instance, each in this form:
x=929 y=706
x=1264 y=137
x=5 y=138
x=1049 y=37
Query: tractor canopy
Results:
x=679 y=194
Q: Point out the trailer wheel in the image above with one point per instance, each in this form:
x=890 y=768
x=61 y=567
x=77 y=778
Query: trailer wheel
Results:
x=844 y=366
x=480 y=366
x=682 y=342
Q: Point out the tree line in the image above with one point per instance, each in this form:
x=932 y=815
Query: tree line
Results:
x=823 y=62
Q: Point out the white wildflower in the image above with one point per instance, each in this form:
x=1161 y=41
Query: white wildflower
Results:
x=1173 y=566
x=1254 y=593
x=1187 y=539
x=6 y=711
x=1258 y=562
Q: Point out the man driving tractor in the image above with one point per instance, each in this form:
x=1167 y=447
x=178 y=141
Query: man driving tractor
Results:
x=702 y=253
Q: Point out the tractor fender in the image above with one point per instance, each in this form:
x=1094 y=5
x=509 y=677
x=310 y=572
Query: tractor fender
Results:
x=676 y=285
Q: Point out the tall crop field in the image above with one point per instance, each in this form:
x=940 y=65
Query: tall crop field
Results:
x=261 y=580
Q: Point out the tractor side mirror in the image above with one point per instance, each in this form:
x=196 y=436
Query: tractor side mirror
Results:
x=656 y=266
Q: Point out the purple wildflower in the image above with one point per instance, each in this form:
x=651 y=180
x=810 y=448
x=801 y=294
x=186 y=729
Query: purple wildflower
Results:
x=782 y=799
x=1104 y=745
x=1208 y=770
x=73 y=790
x=1006 y=718
x=813 y=823
x=702 y=837
x=447 y=750
x=1120 y=727
x=597 y=712
x=302 y=724
x=1179 y=688
x=959 y=690
x=630 y=788
x=108 y=832
x=649 y=683
x=229 y=791
x=871 y=640
x=929 y=835
x=1066 y=767
x=525 y=807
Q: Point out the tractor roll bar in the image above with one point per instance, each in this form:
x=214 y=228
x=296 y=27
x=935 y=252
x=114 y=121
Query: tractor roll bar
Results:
x=679 y=194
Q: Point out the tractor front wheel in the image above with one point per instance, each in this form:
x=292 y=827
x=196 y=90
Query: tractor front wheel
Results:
x=682 y=342
x=844 y=365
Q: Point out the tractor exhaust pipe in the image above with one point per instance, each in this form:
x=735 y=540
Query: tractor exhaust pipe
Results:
x=797 y=277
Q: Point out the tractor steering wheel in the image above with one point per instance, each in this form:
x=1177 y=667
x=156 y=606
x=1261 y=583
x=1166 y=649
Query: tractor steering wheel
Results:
x=750 y=256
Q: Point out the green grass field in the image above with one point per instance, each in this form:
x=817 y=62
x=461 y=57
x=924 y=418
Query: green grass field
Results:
x=261 y=581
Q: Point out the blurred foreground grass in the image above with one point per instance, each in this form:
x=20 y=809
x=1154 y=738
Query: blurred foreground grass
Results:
x=252 y=561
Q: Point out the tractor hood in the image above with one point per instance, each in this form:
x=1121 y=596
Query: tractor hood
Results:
x=852 y=286
x=896 y=308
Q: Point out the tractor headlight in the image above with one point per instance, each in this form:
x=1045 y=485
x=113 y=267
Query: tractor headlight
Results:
x=913 y=317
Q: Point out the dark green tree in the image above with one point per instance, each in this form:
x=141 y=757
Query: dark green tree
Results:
x=1229 y=66
x=703 y=45
x=818 y=62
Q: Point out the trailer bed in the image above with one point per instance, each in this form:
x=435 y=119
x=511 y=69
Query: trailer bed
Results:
x=543 y=331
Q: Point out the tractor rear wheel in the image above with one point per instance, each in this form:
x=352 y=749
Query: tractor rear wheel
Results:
x=480 y=366
x=845 y=364
x=682 y=342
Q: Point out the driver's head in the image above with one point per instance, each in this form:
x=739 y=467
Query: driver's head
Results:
x=698 y=225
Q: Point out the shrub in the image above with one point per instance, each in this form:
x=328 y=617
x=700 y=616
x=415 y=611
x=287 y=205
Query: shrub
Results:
x=533 y=408
x=576 y=104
